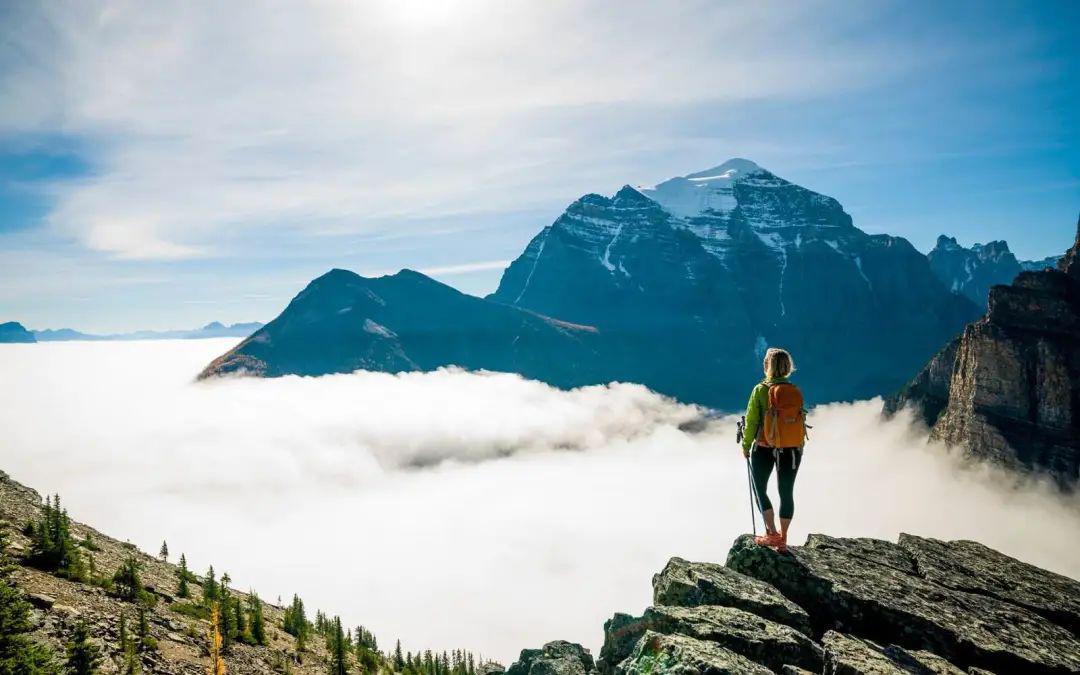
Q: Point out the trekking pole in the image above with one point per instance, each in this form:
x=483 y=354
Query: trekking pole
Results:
x=739 y=428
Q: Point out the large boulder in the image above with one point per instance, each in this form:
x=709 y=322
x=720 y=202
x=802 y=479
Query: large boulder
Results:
x=972 y=567
x=849 y=655
x=688 y=584
x=659 y=654
x=554 y=658
x=872 y=589
x=761 y=640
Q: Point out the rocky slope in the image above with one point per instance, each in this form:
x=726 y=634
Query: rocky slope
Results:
x=343 y=322
x=13 y=331
x=719 y=264
x=840 y=606
x=973 y=271
x=58 y=604
x=1008 y=389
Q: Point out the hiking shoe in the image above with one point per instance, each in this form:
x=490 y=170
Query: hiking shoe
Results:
x=769 y=539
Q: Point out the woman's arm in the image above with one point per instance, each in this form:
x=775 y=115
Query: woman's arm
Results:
x=753 y=420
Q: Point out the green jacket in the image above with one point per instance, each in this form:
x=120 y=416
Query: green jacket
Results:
x=755 y=410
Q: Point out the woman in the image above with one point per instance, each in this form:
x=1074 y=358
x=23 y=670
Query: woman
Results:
x=774 y=437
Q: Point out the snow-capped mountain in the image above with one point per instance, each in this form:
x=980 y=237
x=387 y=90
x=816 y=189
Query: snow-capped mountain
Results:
x=701 y=273
x=972 y=271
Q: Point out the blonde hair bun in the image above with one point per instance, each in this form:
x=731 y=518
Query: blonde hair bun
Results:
x=778 y=363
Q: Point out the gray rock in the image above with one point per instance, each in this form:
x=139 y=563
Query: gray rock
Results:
x=688 y=584
x=40 y=600
x=970 y=566
x=763 y=641
x=555 y=658
x=65 y=610
x=658 y=654
x=794 y=670
x=849 y=655
x=850 y=592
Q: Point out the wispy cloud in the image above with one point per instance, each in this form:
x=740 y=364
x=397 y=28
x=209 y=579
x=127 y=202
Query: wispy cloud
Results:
x=212 y=120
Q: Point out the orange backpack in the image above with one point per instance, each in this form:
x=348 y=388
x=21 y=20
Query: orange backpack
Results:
x=784 y=422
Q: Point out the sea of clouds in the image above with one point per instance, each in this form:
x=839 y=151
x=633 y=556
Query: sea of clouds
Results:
x=455 y=509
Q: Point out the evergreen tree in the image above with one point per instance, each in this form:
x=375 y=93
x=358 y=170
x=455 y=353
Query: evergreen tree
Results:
x=83 y=656
x=243 y=633
x=255 y=615
x=164 y=552
x=129 y=664
x=399 y=661
x=143 y=629
x=209 y=587
x=182 y=590
x=338 y=650
x=18 y=654
x=52 y=547
x=228 y=617
x=127 y=583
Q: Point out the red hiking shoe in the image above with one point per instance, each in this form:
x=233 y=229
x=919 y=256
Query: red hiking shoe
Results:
x=769 y=539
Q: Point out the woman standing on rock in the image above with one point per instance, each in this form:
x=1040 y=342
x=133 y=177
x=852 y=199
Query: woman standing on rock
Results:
x=774 y=437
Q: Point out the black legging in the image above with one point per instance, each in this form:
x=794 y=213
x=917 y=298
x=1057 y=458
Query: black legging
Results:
x=787 y=461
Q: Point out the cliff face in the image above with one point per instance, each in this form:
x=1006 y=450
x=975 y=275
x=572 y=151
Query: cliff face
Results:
x=1012 y=393
x=836 y=606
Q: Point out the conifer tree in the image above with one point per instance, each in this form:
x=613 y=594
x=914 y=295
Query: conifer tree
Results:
x=338 y=650
x=164 y=552
x=209 y=587
x=143 y=632
x=18 y=654
x=399 y=661
x=83 y=656
x=127 y=583
x=130 y=664
x=182 y=590
x=243 y=633
x=217 y=664
x=255 y=615
x=228 y=617
x=53 y=548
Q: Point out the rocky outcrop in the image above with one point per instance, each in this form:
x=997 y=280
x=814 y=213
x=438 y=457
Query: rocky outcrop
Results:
x=876 y=590
x=685 y=584
x=864 y=606
x=1013 y=386
x=554 y=658
x=13 y=331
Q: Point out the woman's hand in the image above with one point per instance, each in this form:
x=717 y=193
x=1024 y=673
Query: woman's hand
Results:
x=746 y=453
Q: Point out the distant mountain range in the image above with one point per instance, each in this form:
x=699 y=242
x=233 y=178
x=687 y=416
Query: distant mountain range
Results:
x=681 y=286
x=210 y=330
x=13 y=331
x=972 y=271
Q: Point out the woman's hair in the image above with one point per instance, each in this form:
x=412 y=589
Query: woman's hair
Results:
x=778 y=363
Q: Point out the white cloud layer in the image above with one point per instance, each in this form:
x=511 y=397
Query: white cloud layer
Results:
x=213 y=121
x=534 y=513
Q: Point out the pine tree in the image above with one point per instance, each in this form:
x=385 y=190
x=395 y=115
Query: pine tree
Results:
x=209 y=587
x=228 y=617
x=182 y=590
x=217 y=664
x=143 y=629
x=255 y=614
x=83 y=656
x=18 y=654
x=164 y=552
x=338 y=650
x=130 y=664
x=52 y=547
x=399 y=661
x=127 y=583
x=243 y=634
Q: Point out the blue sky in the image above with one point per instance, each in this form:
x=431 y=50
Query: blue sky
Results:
x=165 y=165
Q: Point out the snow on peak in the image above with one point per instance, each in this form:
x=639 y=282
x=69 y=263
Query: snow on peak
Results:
x=701 y=191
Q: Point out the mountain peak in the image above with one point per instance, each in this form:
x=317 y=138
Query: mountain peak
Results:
x=734 y=168
x=708 y=190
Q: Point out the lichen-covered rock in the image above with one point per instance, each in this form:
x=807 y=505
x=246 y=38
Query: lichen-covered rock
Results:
x=659 y=654
x=849 y=590
x=849 y=655
x=555 y=658
x=970 y=566
x=688 y=584
x=760 y=640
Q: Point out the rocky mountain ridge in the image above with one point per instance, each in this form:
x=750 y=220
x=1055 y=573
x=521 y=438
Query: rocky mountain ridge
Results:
x=210 y=330
x=680 y=287
x=973 y=271
x=840 y=606
x=1008 y=388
